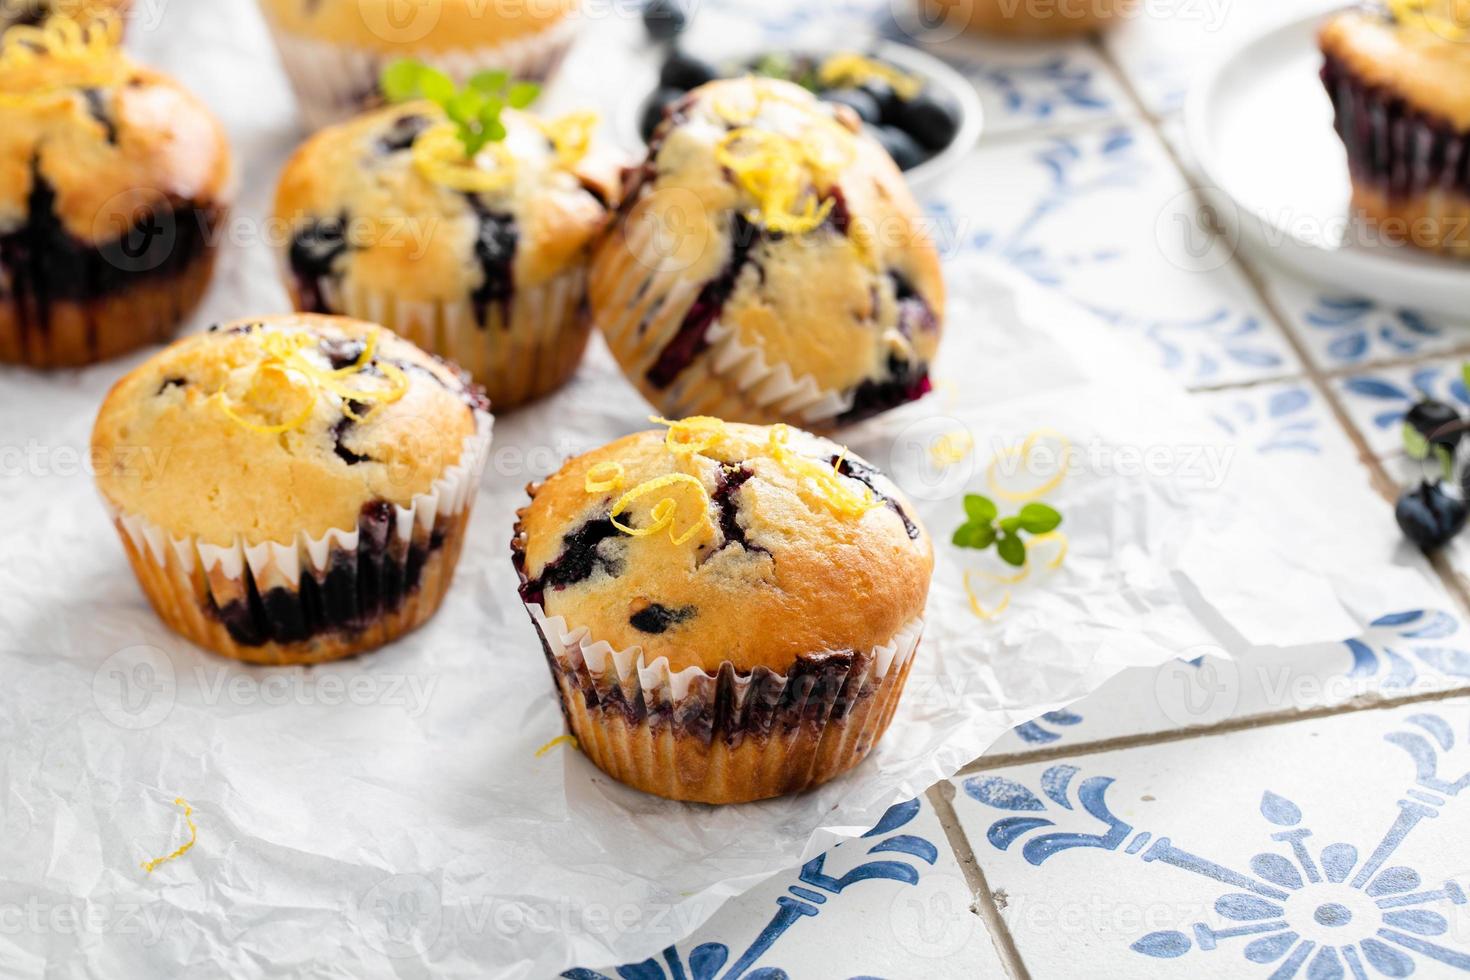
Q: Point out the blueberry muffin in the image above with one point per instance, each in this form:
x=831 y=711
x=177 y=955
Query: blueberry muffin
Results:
x=1399 y=78
x=1013 y=18
x=292 y=489
x=33 y=13
x=335 y=50
x=729 y=611
x=483 y=262
x=768 y=264
x=112 y=181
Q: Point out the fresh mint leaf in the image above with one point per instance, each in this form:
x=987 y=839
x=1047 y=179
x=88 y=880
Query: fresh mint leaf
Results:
x=978 y=536
x=1010 y=525
x=400 y=80
x=978 y=508
x=1039 y=518
x=522 y=94
x=1012 y=550
x=490 y=81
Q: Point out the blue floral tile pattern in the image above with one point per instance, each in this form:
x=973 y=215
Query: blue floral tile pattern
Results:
x=819 y=920
x=1285 y=873
x=1376 y=400
x=1288 y=418
x=1064 y=211
x=1345 y=332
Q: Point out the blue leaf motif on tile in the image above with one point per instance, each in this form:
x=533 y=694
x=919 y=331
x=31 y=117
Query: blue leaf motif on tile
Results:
x=907 y=844
x=1396 y=666
x=1003 y=833
x=1001 y=793
x=1037 y=733
x=895 y=817
x=1421 y=921
x=1376 y=388
x=1387 y=960
x=1286 y=402
x=1277 y=870
x=1054 y=783
x=1353 y=322
x=1037 y=90
x=1270 y=948
x=1280 y=810
x=1247 y=907
x=1165 y=945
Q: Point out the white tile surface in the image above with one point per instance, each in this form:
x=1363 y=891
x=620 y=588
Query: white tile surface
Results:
x=1333 y=844
x=893 y=904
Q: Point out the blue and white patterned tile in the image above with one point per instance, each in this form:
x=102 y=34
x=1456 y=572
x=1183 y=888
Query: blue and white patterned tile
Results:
x=887 y=904
x=1418 y=651
x=1162 y=48
x=1286 y=419
x=1098 y=216
x=1376 y=400
x=1320 y=848
x=1346 y=332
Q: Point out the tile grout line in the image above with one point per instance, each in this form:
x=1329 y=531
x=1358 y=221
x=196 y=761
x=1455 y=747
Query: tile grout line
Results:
x=1361 y=705
x=984 y=907
x=1378 y=474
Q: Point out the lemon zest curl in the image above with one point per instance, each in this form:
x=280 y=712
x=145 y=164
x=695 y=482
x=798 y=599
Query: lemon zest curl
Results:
x=596 y=482
x=848 y=69
x=667 y=508
x=183 y=848
x=439 y=156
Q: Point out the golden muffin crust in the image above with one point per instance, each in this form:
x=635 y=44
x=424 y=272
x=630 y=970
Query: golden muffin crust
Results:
x=1426 y=66
x=432 y=26
x=840 y=303
x=34 y=12
x=222 y=435
x=784 y=555
x=112 y=139
x=415 y=237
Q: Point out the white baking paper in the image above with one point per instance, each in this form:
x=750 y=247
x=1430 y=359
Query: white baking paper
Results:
x=389 y=816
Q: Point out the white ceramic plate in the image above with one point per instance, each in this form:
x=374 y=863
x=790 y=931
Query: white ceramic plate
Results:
x=1260 y=128
x=944 y=79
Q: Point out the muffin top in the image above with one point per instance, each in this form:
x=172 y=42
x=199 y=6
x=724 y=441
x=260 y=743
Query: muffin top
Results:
x=97 y=141
x=802 y=226
x=387 y=199
x=35 y=12
x=711 y=541
x=442 y=25
x=1420 y=49
x=264 y=428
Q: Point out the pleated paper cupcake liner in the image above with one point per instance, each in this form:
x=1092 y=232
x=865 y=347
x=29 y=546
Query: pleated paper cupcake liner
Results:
x=335 y=81
x=524 y=348
x=313 y=599
x=641 y=307
x=724 y=737
x=1410 y=169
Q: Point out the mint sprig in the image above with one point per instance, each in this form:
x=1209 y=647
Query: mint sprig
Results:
x=474 y=107
x=985 y=527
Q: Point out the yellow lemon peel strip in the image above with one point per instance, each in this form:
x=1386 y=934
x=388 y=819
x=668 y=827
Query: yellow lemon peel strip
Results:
x=664 y=511
x=604 y=476
x=693 y=435
x=783 y=175
x=439 y=156
x=1449 y=19
x=826 y=483
x=89 y=50
x=952 y=447
x=992 y=478
x=851 y=69
x=986 y=614
x=570 y=136
x=559 y=740
x=183 y=848
x=1062 y=543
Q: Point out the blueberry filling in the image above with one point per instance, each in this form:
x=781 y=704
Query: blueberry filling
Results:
x=1403 y=150
x=339 y=433
x=579 y=559
x=43 y=263
x=657 y=618
x=402 y=133
x=313 y=253
x=495 y=251
x=692 y=337
x=840 y=218
x=906 y=381
x=355 y=591
x=915 y=315
x=868 y=477
x=97 y=106
x=171 y=383
x=341 y=352
x=731 y=478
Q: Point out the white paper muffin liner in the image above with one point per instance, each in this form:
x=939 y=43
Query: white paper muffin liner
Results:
x=723 y=737
x=252 y=602
x=526 y=348
x=335 y=81
x=729 y=379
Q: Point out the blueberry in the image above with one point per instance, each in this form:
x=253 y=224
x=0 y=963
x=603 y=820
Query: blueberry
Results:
x=900 y=145
x=857 y=100
x=664 y=19
x=890 y=106
x=684 y=71
x=930 y=121
x=1429 y=516
x=1435 y=422
x=653 y=110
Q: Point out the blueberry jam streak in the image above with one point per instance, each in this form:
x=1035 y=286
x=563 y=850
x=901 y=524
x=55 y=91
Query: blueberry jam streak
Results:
x=731 y=478
x=915 y=315
x=314 y=251
x=339 y=432
x=341 y=352
x=579 y=559
x=905 y=382
x=402 y=133
x=495 y=252
x=658 y=618
x=356 y=589
x=1401 y=149
x=691 y=339
x=868 y=477
x=98 y=109
x=43 y=263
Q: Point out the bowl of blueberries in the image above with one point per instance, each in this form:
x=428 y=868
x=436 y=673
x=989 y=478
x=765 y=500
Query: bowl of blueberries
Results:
x=924 y=113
